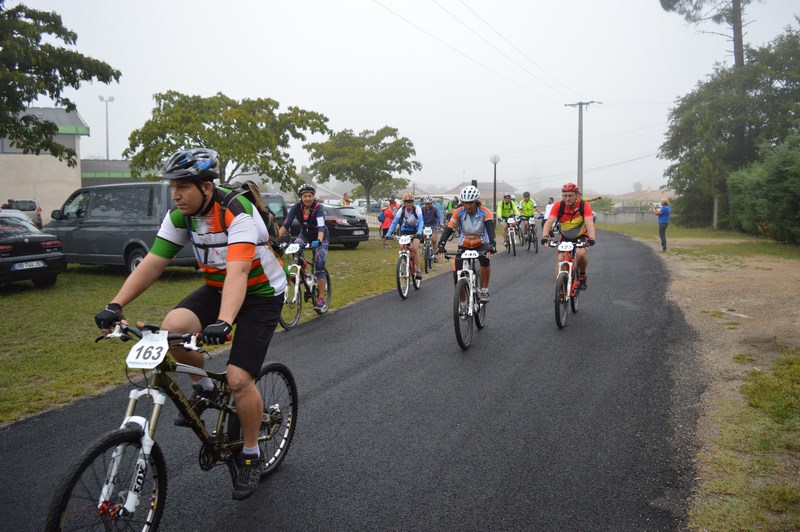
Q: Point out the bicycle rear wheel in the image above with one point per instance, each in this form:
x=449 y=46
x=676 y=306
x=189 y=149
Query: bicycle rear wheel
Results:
x=403 y=276
x=80 y=503
x=461 y=318
x=573 y=300
x=278 y=392
x=480 y=313
x=315 y=293
x=292 y=304
x=561 y=296
x=427 y=256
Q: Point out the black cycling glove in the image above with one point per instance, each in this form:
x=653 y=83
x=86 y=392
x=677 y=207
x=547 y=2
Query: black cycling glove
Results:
x=106 y=318
x=544 y=241
x=216 y=333
x=591 y=241
x=492 y=249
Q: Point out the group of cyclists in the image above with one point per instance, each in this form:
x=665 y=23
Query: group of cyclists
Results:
x=244 y=279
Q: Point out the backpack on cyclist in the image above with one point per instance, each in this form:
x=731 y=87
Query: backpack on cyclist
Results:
x=561 y=208
x=381 y=217
x=250 y=191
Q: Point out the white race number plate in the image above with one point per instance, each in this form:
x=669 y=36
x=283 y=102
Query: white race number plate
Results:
x=149 y=351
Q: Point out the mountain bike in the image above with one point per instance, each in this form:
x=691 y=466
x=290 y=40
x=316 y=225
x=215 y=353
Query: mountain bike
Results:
x=529 y=238
x=301 y=284
x=406 y=267
x=120 y=480
x=427 y=248
x=511 y=236
x=567 y=280
x=467 y=306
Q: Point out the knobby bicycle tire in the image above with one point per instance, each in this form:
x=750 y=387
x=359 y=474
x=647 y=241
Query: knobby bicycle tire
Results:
x=480 y=315
x=293 y=303
x=560 y=299
x=75 y=504
x=573 y=300
x=278 y=391
x=403 y=276
x=461 y=318
x=513 y=245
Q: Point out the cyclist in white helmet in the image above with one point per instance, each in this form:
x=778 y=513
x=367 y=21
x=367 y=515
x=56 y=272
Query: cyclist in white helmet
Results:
x=477 y=232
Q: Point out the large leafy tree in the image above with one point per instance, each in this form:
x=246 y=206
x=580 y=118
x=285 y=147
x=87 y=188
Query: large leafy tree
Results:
x=370 y=158
x=251 y=136
x=32 y=66
x=383 y=189
x=762 y=99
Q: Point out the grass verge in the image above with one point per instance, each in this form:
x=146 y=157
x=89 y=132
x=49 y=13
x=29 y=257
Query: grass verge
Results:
x=48 y=356
x=750 y=477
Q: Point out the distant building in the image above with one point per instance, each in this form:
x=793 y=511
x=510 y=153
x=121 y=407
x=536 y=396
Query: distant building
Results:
x=487 y=191
x=104 y=172
x=43 y=177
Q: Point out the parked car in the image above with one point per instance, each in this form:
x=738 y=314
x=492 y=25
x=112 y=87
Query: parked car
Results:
x=26 y=253
x=29 y=207
x=346 y=226
x=114 y=224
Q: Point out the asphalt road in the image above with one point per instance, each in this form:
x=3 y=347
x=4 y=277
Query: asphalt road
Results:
x=584 y=428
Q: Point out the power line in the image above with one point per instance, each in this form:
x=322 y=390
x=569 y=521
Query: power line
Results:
x=523 y=54
x=498 y=50
x=432 y=36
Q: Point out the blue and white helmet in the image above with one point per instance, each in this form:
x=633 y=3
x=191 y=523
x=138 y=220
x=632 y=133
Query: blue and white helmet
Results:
x=469 y=193
x=197 y=164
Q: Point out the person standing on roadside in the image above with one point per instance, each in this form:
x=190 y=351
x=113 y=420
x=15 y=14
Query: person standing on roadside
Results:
x=547 y=209
x=388 y=216
x=345 y=201
x=663 y=221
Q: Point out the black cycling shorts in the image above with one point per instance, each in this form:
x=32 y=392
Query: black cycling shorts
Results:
x=255 y=324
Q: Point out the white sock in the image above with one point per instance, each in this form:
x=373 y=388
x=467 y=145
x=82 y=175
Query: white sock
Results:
x=250 y=450
x=206 y=383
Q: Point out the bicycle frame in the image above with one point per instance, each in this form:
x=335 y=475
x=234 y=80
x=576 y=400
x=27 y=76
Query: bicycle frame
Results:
x=569 y=263
x=467 y=270
x=405 y=249
x=512 y=228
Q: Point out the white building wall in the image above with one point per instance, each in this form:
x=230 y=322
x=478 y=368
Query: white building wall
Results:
x=40 y=177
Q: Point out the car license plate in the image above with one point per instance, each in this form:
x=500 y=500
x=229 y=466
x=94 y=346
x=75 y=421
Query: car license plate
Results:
x=358 y=232
x=28 y=265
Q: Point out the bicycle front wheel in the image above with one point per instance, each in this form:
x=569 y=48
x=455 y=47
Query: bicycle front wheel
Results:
x=561 y=297
x=513 y=241
x=428 y=256
x=278 y=392
x=535 y=240
x=92 y=494
x=292 y=304
x=461 y=317
x=403 y=276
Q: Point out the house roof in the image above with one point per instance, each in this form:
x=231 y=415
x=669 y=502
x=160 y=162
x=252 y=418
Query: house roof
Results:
x=645 y=195
x=68 y=122
x=486 y=188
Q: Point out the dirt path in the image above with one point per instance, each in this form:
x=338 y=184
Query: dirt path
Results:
x=740 y=306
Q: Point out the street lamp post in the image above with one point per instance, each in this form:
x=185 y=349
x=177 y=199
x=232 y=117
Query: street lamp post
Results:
x=106 y=100
x=494 y=159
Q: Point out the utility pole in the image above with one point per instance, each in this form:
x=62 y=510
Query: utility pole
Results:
x=580 y=105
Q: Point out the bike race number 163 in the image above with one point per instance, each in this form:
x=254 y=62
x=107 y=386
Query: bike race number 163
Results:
x=149 y=351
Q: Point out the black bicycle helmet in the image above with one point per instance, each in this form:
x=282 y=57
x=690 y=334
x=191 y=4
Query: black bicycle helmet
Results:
x=197 y=164
x=306 y=187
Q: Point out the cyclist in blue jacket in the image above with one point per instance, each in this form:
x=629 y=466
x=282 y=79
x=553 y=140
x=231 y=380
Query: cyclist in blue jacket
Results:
x=409 y=218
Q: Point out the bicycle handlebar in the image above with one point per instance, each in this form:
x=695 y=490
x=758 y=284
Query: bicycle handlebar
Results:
x=189 y=341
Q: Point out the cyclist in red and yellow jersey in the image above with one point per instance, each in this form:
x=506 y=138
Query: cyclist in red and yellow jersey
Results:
x=244 y=284
x=575 y=217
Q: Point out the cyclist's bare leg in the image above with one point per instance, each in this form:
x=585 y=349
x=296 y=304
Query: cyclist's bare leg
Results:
x=321 y=284
x=183 y=320
x=485 y=273
x=583 y=259
x=505 y=231
x=561 y=258
x=249 y=406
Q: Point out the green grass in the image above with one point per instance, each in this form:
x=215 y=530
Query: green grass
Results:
x=48 y=356
x=741 y=245
x=750 y=481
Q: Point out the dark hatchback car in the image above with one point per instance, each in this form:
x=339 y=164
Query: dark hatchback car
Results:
x=346 y=226
x=26 y=253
